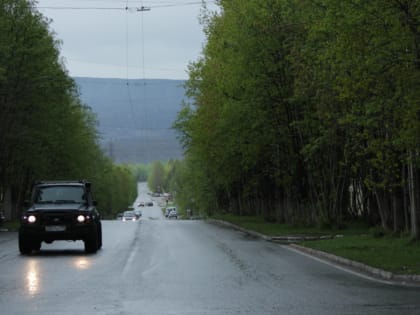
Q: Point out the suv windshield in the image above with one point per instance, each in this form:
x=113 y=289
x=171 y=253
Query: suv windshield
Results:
x=59 y=194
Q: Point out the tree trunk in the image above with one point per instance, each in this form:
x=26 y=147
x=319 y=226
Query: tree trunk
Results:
x=405 y=201
x=398 y=215
x=383 y=208
x=7 y=203
x=412 y=195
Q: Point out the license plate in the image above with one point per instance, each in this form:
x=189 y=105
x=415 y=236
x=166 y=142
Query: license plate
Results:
x=55 y=228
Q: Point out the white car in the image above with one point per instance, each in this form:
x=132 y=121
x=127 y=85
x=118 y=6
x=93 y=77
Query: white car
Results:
x=129 y=216
x=168 y=210
x=173 y=214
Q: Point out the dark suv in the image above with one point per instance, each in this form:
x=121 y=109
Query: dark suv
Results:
x=60 y=210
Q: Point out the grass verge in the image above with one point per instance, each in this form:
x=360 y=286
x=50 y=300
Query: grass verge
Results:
x=398 y=255
x=359 y=243
x=274 y=229
x=10 y=225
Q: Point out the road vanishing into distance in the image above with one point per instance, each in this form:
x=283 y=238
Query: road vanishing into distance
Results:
x=161 y=266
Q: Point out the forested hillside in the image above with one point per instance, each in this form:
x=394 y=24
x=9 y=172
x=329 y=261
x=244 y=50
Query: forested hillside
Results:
x=135 y=117
x=307 y=112
x=46 y=133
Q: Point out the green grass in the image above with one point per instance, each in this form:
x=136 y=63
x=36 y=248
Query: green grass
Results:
x=274 y=229
x=396 y=254
x=10 y=225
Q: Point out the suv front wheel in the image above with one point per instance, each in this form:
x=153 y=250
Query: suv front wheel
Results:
x=99 y=236
x=27 y=245
x=92 y=242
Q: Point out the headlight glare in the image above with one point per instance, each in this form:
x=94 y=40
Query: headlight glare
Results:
x=81 y=218
x=31 y=219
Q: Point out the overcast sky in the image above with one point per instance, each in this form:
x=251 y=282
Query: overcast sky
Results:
x=100 y=38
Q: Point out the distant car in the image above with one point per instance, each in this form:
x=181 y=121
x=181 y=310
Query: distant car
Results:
x=120 y=216
x=129 y=216
x=173 y=214
x=138 y=213
x=140 y=204
x=149 y=203
x=168 y=210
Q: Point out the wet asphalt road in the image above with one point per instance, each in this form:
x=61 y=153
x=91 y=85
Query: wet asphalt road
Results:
x=160 y=266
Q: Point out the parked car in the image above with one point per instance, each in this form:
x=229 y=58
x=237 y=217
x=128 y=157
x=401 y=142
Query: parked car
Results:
x=168 y=210
x=140 y=204
x=129 y=216
x=138 y=213
x=173 y=214
x=60 y=210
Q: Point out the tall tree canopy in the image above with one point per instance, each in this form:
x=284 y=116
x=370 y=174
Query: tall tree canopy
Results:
x=45 y=132
x=307 y=112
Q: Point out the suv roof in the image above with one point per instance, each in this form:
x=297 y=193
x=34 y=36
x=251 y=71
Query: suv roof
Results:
x=63 y=183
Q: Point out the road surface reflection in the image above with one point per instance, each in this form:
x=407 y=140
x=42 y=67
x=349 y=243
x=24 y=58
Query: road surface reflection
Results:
x=82 y=263
x=32 y=277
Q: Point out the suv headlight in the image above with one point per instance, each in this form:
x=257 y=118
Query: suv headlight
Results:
x=31 y=219
x=81 y=218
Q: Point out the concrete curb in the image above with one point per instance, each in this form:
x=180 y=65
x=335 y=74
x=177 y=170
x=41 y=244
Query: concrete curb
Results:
x=376 y=273
x=236 y=227
x=360 y=267
x=286 y=238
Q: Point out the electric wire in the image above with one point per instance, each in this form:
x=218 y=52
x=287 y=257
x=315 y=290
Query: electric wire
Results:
x=130 y=7
x=130 y=99
x=121 y=65
x=126 y=8
x=146 y=133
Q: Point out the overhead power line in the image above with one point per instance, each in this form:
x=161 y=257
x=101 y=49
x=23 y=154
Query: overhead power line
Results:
x=139 y=9
x=80 y=8
x=142 y=8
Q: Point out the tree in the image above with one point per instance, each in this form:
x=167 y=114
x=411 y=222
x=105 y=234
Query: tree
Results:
x=45 y=131
x=306 y=112
x=157 y=177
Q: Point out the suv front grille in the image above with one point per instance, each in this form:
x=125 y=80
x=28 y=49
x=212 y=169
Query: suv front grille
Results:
x=57 y=218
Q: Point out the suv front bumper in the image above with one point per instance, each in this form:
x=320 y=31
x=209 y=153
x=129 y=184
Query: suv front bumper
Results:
x=49 y=233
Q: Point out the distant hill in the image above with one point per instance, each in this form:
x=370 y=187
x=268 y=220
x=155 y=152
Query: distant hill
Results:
x=135 y=117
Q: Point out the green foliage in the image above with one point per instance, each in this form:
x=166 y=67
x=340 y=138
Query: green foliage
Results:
x=305 y=112
x=140 y=171
x=397 y=255
x=45 y=132
x=156 y=178
x=115 y=189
